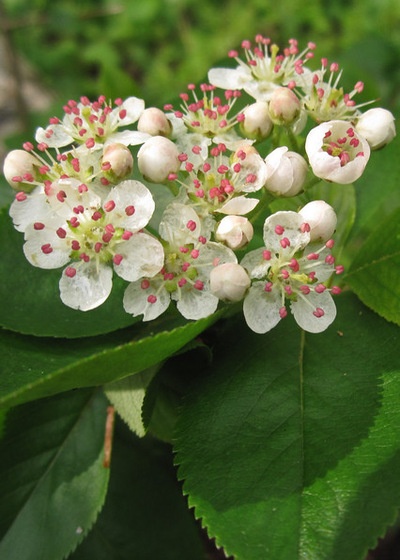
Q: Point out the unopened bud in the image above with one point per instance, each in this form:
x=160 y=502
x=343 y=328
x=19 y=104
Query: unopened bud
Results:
x=235 y=231
x=321 y=218
x=153 y=121
x=284 y=106
x=120 y=159
x=286 y=172
x=229 y=282
x=20 y=165
x=157 y=159
x=377 y=127
x=257 y=122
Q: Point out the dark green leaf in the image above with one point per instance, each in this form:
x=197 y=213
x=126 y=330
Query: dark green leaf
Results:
x=36 y=367
x=290 y=446
x=145 y=515
x=374 y=275
x=52 y=481
x=30 y=299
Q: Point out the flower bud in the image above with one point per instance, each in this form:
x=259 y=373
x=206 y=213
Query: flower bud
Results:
x=257 y=122
x=153 y=121
x=229 y=282
x=284 y=106
x=20 y=168
x=377 y=127
x=157 y=158
x=286 y=172
x=120 y=161
x=234 y=231
x=321 y=218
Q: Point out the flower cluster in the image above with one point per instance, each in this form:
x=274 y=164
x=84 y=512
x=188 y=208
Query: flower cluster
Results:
x=269 y=128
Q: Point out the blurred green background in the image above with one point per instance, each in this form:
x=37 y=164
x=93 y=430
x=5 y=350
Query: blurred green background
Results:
x=153 y=48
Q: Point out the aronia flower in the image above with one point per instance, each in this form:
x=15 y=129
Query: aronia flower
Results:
x=264 y=69
x=92 y=237
x=336 y=152
x=93 y=124
x=291 y=269
x=185 y=276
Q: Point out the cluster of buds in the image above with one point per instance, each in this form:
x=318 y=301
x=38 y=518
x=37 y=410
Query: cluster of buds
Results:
x=269 y=128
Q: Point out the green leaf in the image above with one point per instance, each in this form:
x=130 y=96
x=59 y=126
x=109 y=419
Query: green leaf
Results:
x=127 y=397
x=32 y=368
x=30 y=298
x=374 y=275
x=290 y=446
x=52 y=481
x=145 y=515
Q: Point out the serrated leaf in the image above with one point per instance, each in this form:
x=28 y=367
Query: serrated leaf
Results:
x=52 y=481
x=32 y=367
x=145 y=515
x=30 y=297
x=127 y=397
x=374 y=274
x=290 y=447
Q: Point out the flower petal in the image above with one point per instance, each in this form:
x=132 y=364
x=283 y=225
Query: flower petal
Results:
x=88 y=288
x=196 y=304
x=150 y=301
x=261 y=308
x=134 y=205
x=142 y=255
x=305 y=311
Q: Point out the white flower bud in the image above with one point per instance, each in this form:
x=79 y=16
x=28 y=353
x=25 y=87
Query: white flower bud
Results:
x=321 y=218
x=229 y=282
x=284 y=106
x=20 y=168
x=157 y=159
x=257 y=122
x=117 y=161
x=377 y=127
x=153 y=121
x=286 y=172
x=235 y=231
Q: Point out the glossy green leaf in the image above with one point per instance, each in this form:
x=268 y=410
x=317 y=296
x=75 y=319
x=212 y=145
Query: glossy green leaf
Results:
x=145 y=515
x=374 y=275
x=30 y=298
x=36 y=367
x=290 y=447
x=127 y=395
x=52 y=481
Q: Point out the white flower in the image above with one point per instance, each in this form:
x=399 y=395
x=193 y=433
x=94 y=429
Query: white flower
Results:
x=336 y=152
x=321 y=218
x=206 y=119
x=288 y=267
x=265 y=68
x=229 y=282
x=94 y=124
x=257 y=122
x=20 y=169
x=185 y=276
x=153 y=121
x=284 y=106
x=286 y=172
x=377 y=127
x=326 y=100
x=221 y=183
x=94 y=236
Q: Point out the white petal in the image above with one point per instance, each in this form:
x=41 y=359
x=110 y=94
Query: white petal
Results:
x=88 y=289
x=142 y=255
x=44 y=249
x=291 y=223
x=33 y=209
x=229 y=78
x=261 y=308
x=134 y=107
x=128 y=138
x=239 y=206
x=303 y=310
x=196 y=304
x=255 y=264
x=57 y=139
x=125 y=195
x=174 y=225
x=136 y=300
